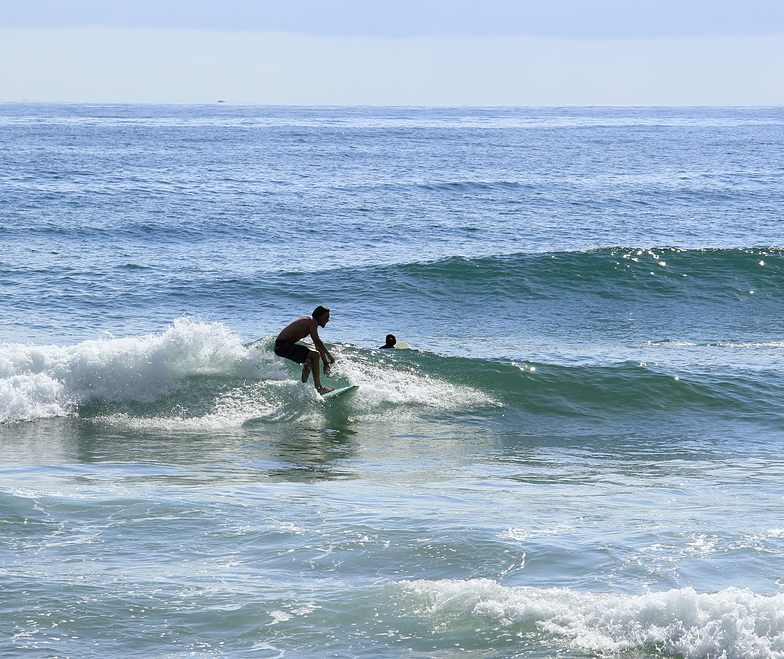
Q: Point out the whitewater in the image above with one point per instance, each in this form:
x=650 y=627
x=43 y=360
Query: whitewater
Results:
x=580 y=455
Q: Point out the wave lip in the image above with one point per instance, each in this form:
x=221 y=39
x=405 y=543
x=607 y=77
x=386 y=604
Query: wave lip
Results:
x=733 y=623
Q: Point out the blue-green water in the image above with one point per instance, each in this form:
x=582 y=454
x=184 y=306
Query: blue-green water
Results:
x=580 y=455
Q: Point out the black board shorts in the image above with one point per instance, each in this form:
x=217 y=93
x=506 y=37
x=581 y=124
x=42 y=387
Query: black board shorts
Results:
x=293 y=351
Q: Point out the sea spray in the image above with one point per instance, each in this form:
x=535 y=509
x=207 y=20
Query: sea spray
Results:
x=45 y=381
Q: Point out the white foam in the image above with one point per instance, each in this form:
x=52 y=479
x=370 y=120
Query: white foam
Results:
x=400 y=384
x=31 y=396
x=230 y=410
x=48 y=381
x=733 y=623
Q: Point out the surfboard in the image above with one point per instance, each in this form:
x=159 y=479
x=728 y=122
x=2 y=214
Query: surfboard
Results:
x=402 y=346
x=340 y=391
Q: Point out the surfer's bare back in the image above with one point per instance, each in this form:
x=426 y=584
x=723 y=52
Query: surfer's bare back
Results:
x=286 y=346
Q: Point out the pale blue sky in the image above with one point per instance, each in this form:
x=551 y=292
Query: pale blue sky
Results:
x=407 y=52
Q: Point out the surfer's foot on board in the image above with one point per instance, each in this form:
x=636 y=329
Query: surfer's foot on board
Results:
x=324 y=390
x=305 y=372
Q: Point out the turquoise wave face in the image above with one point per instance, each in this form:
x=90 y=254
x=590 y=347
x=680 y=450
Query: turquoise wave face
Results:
x=573 y=334
x=199 y=376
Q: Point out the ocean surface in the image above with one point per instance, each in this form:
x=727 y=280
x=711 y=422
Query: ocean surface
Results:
x=581 y=455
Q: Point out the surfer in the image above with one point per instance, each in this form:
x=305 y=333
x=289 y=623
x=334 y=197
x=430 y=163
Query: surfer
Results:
x=286 y=346
x=391 y=341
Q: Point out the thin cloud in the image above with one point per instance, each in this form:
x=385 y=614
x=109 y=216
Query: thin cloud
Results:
x=569 y=19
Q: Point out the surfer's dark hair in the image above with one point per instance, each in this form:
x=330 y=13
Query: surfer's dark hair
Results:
x=319 y=311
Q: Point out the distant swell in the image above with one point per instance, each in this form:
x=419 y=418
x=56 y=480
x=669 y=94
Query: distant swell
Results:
x=612 y=272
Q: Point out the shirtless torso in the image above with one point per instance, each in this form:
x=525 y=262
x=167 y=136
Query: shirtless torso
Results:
x=297 y=330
